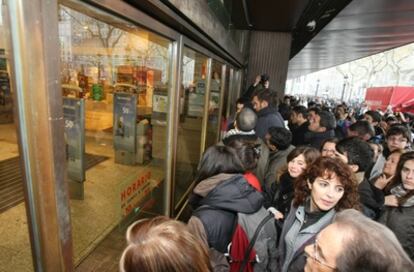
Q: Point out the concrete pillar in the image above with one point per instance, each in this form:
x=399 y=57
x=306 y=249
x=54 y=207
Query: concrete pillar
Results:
x=269 y=53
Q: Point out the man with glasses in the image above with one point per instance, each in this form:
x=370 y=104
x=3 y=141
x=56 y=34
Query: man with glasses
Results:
x=397 y=137
x=354 y=242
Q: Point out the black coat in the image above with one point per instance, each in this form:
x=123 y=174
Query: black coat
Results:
x=371 y=198
x=298 y=134
x=219 y=206
x=401 y=221
x=267 y=118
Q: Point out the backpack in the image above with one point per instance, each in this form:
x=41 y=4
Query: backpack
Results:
x=253 y=245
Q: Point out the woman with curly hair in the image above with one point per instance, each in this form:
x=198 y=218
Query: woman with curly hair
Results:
x=327 y=186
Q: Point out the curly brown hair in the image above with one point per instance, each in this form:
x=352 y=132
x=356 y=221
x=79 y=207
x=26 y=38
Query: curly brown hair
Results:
x=326 y=167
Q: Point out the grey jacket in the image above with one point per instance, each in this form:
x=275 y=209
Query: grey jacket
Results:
x=293 y=240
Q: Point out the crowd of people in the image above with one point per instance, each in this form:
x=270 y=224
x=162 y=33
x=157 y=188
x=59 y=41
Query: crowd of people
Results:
x=292 y=186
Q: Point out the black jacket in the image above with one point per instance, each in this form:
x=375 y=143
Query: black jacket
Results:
x=281 y=194
x=371 y=198
x=217 y=201
x=401 y=221
x=298 y=134
x=267 y=118
x=315 y=139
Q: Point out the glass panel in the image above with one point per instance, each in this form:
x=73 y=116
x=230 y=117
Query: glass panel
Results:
x=214 y=106
x=194 y=71
x=15 y=253
x=122 y=73
x=227 y=119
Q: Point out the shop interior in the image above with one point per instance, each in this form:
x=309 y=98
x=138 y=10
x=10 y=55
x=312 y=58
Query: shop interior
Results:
x=115 y=150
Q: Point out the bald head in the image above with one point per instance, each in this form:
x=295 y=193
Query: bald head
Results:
x=246 y=119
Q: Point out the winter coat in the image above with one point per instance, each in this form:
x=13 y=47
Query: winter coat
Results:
x=298 y=134
x=267 y=118
x=401 y=221
x=225 y=195
x=371 y=198
x=295 y=237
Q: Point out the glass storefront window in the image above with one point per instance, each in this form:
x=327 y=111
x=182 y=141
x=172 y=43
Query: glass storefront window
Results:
x=15 y=253
x=121 y=72
x=213 y=128
x=192 y=96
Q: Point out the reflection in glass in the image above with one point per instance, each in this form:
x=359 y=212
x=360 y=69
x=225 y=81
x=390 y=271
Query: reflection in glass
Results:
x=192 y=93
x=122 y=73
x=213 y=128
x=15 y=253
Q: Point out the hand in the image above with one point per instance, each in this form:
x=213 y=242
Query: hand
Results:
x=391 y=200
x=257 y=80
x=278 y=215
x=382 y=181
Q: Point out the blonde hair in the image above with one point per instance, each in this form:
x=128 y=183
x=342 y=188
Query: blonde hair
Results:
x=162 y=244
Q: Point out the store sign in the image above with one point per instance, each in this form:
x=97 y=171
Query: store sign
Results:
x=133 y=191
x=125 y=119
x=73 y=114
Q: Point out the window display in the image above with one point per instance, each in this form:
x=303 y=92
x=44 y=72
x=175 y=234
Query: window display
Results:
x=192 y=96
x=122 y=73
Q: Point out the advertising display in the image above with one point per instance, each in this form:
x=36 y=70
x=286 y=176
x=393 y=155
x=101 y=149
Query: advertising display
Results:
x=73 y=113
x=124 y=127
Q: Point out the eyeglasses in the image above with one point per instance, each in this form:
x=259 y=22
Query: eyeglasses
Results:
x=317 y=258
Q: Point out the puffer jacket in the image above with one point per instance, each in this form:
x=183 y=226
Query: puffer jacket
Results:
x=225 y=195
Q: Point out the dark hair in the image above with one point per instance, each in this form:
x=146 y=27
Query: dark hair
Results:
x=162 y=244
x=368 y=245
x=266 y=95
x=362 y=128
x=218 y=160
x=246 y=119
x=329 y=140
x=357 y=151
x=264 y=78
x=397 y=179
x=375 y=115
x=247 y=151
x=301 y=110
x=323 y=167
x=243 y=100
x=328 y=120
x=310 y=154
x=398 y=129
x=280 y=137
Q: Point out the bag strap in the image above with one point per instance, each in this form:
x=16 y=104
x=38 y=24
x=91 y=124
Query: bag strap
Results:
x=253 y=241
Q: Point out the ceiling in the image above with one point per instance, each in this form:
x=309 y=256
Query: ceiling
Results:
x=362 y=28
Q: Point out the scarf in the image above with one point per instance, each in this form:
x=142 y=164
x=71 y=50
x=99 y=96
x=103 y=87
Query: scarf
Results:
x=400 y=192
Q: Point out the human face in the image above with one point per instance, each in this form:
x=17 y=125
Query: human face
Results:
x=297 y=166
x=321 y=256
x=368 y=118
x=391 y=164
x=407 y=175
x=311 y=116
x=314 y=123
x=293 y=117
x=239 y=107
x=328 y=150
x=395 y=142
x=325 y=192
x=257 y=104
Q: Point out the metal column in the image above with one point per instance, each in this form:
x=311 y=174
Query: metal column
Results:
x=35 y=46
